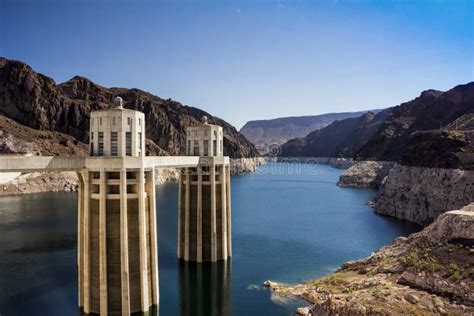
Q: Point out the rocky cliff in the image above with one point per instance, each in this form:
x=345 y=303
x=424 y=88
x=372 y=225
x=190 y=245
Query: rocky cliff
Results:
x=339 y=139
x=19 y=139
x=428 y=273
x=435 y=174
x=420 y=194
x=263 y=133
x=384 y=136
x=36 y=101
x=365 y=174
x=431 y=110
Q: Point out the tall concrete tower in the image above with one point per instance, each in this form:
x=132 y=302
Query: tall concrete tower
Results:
x=204 y=212
x=117 y=244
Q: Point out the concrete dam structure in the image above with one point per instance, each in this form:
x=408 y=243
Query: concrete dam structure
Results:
x=117 y=245
x=204 y=227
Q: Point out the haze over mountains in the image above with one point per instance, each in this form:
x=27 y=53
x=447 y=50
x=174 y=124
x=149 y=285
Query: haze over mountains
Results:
x=30 y=101
x=263 y=133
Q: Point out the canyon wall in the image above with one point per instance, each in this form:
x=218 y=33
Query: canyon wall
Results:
x=420 y=194
x=365 y=174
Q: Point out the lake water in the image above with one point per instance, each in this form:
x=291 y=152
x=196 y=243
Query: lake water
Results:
x=290 y=223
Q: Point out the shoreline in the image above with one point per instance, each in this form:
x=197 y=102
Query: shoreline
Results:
x=428 y=272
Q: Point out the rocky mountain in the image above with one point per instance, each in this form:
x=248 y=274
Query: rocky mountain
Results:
x=339 y=139
x=263 y=133
x=385 y=136
x=36 y=101
x=431 y=110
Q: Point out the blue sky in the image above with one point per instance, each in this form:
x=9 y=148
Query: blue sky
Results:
x=246 y=60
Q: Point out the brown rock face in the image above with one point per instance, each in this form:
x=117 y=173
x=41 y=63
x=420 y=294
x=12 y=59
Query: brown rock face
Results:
x=338 y=139
x=431 y=110
x=19 y=139
x=447 y=149
x=36 y=101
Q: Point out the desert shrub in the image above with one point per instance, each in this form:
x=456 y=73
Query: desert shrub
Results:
x=454 y=272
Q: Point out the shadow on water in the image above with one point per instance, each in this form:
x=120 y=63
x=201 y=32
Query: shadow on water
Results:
x=154 y=311
x=204 y=288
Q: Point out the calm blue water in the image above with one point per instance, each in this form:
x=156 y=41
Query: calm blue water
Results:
x=290 y=223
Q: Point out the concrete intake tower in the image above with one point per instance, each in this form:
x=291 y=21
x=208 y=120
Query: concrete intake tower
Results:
x=117 y=242
x=117 y=245
x=204 y=212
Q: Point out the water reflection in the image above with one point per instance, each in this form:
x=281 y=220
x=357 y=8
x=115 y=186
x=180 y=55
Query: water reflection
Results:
x=205 y=288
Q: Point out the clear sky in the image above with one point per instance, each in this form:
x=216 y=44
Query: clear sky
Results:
x=247 y=60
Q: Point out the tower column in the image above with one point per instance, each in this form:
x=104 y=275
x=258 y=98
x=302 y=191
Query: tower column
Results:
x=186 y=216
x=150 y=186
x=180 y=213
x=124 y=263
x=213 y=213
x=224 y=223
x=229 y=214
x=142 y=222
x=80 y=232
x=85 y=280
x=102 y=245
x=199 y=215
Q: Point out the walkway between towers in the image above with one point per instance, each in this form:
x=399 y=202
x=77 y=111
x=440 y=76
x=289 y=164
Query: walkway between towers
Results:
x=57 y=163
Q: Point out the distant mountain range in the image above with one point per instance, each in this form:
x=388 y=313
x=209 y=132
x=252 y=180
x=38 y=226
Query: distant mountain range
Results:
x=263 y=133
x=41 y=117
x=339 y=139
x=388 y=134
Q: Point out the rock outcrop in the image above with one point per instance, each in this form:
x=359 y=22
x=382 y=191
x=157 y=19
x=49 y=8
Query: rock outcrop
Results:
x=365 y=174
x=420 y=194
x=244 y=165
x=36 y=101
x=38 y=182
x=427 y=273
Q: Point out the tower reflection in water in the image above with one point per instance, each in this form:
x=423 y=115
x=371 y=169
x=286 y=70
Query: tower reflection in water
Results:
x=205 y=288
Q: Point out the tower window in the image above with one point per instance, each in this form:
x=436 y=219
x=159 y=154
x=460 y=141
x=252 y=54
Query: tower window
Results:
x=196 y=148
x=206 y=148
x=101 y=143
x=222 y=146
x=214 y=144
x=100 y=121
x=129 y=120
x=140 y=142
x=113 y=120
x=189 y=148
x=113 y=144
x=128 y=143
